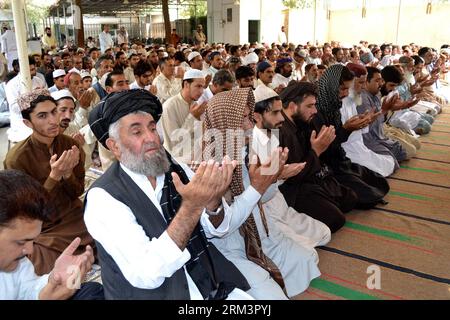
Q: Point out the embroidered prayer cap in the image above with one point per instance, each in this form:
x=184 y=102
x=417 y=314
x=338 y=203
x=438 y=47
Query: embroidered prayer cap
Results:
x=64 y=93
x=119 y=104
x=263 y=92
x=357 y=69
x=234 y=60
x=24 y=100
x=193 y=74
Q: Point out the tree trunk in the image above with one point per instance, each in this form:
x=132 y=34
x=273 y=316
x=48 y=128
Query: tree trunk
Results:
x=80 y=30
x=165 y=9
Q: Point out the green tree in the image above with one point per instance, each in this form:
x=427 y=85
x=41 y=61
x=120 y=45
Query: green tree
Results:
x=298 y=4
x=36 y=10
x=198 y=10
x=165 y=9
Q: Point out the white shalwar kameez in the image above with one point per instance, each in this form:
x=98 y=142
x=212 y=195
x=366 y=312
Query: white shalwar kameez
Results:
x=355 y=149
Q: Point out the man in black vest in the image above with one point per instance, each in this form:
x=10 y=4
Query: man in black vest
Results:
x=149 y=219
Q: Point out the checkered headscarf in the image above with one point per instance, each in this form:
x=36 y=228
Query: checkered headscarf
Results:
x=226 y=112
x=329 y=102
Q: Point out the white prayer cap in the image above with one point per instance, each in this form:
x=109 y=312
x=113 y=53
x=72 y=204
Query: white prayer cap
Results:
x=102 y=80
x=64 y=93
x=84 y=74
x=58 y=73
x=251 y=50
x=263 y=92
x=251 y=58
x=446 y=51
x=346 y=46
x=130 y=52
x=302 y=53
x=74 y=70
x=192 y=55
x=193 y=74
x=165 y=55
x=142 y=52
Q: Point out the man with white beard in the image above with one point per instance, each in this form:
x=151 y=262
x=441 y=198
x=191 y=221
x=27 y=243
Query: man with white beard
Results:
x=311 y=75
x=151 y=216
x=354 y=147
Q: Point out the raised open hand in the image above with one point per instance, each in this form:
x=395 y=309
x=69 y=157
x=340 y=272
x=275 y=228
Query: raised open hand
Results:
x=63 y=166
x=321 y=142
x=203 y=188
x=263 y=175
x=68 y=272
x=291 y=170
x=198 y=109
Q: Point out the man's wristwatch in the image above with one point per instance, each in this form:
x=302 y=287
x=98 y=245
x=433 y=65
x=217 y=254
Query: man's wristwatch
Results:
x=214 y=213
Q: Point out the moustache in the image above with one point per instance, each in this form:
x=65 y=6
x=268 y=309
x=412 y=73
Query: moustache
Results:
x=150 y=145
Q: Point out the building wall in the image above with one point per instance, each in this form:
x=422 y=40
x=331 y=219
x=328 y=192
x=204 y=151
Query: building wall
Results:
x=380 y=25
x=272 y=20
x=346 y=26
x=301 y=26
x=219 y=30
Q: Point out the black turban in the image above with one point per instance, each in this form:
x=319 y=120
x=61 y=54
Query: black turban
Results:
x=119 y=104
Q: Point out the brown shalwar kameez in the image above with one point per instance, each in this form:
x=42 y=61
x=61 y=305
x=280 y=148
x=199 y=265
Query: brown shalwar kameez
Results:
x=33 y=158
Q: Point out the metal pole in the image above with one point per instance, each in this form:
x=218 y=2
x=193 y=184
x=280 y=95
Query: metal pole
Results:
x=315 y=21
x=54 y=26
x=18 y=10
x=59 y=27
x=195 y=9
x=65 y=24
x=398 y=20
x=72 y=11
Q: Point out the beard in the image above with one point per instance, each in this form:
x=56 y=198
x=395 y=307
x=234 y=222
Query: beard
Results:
x=148 y=165
x=384 y=91
x=356 y=97
x=64 y=123
x=287 y=75
x=268 y=126
x=311 y=79
x=299 y=118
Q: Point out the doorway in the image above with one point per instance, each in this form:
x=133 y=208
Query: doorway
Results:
x=253 y=30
